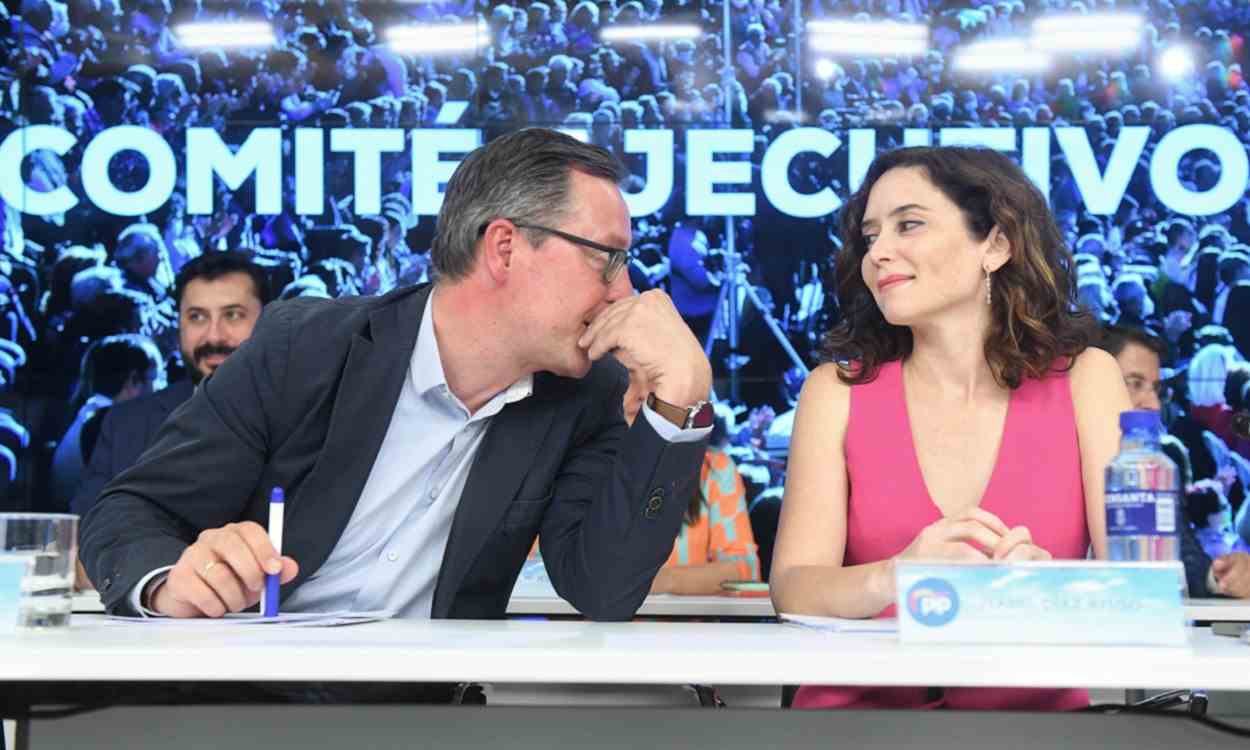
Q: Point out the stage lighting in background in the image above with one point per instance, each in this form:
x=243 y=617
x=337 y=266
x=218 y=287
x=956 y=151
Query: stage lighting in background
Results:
x=642 y=33
x=1176 y=63
x=1000 y=56
x=824 y=69
x=225 y=34
x=435 y=38
x=868 y=38
x=1094 y=32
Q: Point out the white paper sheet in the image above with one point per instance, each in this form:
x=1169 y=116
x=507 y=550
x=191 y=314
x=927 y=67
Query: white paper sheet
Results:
x=285 y=619
x=841 y=624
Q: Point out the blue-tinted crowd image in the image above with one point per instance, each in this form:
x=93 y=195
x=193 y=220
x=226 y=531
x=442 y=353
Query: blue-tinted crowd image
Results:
x=133 y=155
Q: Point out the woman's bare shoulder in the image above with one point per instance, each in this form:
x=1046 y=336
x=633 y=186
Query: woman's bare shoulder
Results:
x=1094 y=369
x=826 y=381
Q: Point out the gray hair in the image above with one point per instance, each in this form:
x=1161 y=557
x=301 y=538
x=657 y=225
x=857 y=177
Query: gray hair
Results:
x=522 y=176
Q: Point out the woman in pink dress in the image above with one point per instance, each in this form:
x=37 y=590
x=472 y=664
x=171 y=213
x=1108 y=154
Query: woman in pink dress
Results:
x=962 y=413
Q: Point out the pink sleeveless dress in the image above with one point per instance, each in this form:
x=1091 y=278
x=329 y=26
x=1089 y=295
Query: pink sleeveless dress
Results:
x=1036 y=482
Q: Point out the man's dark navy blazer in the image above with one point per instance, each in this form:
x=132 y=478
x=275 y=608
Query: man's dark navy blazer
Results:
x=305 y=403
x=125 y=433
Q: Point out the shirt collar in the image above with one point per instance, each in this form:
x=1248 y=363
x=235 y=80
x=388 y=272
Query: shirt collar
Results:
x=427 y=367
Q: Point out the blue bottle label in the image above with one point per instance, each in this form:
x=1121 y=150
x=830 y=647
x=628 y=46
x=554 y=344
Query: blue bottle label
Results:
x=1141 y=512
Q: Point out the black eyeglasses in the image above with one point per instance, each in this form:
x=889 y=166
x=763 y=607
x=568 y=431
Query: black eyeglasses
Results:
x=617 y=258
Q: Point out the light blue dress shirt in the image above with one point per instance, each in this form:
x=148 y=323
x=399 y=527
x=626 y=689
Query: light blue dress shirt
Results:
x=390 y=553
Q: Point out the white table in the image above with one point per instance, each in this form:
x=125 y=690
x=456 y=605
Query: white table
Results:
x=586 y=652
x=1218 y=610
x=662 y=605
x=87 y=602
x=659 y=605
x=577 y=652
x=746 y=608
x=742 y=608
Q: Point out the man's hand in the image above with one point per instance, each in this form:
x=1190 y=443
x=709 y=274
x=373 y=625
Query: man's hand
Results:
x=647 y=334
x=1232 y=574
x=224 y=571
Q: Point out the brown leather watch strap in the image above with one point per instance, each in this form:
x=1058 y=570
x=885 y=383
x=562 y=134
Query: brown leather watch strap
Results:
x=700 y=415
x=671 y=412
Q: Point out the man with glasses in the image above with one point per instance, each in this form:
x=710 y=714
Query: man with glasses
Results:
x=424 y=438
x=617 y=258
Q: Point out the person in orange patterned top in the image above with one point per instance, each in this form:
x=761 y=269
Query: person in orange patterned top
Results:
x=715 y=544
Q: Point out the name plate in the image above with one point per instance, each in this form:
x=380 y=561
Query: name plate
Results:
x=1054 y=602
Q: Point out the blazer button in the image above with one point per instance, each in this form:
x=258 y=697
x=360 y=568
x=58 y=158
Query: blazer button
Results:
x=654 y=503
x=106 y=584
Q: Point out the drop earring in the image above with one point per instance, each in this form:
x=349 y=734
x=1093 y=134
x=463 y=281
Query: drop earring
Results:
x=988 y=299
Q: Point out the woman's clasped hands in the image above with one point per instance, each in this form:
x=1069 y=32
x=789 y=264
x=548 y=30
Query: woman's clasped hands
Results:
x=975 y=534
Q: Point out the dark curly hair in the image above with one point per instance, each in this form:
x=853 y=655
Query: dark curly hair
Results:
x=1036 y=326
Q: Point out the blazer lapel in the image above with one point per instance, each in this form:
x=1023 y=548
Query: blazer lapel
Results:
x=363 y=407
x=514 y=437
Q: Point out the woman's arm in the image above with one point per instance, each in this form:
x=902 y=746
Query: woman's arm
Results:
x=1098 y=397
x=694 y=580
x=807 y=573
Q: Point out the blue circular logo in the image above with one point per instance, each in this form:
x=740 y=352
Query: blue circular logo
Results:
x=933 y=602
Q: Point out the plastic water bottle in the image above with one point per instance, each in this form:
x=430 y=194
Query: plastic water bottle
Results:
x=1143 y=493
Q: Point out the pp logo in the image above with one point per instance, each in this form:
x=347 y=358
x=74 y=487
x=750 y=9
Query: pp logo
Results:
x=933 y=602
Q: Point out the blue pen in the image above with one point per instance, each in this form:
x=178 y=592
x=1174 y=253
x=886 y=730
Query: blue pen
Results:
x=269 y=597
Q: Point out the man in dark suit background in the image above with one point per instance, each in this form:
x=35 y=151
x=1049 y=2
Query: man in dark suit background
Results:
x=425 y=437
x=219 y=297
x=1139 y=353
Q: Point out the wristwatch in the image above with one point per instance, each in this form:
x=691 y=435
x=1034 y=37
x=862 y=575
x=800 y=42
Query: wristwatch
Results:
x=685 y=417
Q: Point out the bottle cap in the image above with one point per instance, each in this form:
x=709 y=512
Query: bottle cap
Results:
x=1140 y=420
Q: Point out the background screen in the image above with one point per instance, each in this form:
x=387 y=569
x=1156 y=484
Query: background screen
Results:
x=323 y=152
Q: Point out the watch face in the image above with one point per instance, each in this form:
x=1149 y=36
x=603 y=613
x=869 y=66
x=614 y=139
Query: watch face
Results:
x=703 y=416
